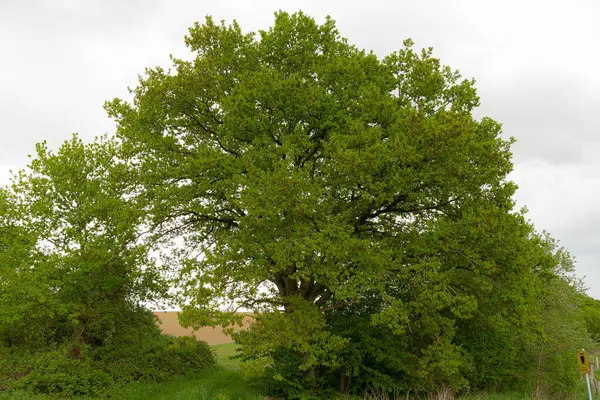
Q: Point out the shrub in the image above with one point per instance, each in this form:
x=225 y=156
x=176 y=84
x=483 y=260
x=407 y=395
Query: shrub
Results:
x=187 y=353
x=154 y=357
x=54 y=373
x=50 y=371
x=283 y=378
x=15 y=363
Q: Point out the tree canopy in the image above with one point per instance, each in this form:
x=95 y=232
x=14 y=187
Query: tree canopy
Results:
x=302 y=164
x=317 y=178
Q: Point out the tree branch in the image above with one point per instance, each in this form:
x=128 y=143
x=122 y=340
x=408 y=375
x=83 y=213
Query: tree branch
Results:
x=337 y=306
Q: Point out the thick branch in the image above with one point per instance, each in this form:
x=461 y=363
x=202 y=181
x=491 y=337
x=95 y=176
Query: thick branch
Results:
x=386 y=208
x=278 y=281
x=314 y=292
x=291 y=286
x=305 y=286
x=324 y=298
x=337 y=306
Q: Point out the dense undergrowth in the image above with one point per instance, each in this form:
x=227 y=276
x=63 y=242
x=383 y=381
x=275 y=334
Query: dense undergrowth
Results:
x=142 y=355
x=225 y=381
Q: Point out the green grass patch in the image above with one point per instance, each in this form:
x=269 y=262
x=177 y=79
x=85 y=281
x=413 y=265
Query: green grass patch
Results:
x=224 y=352
x=24 y=396
x=221 y=383
x=498 y=396
x=216 y=384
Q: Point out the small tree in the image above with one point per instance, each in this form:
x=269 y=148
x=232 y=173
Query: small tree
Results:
x=590 y=311
x=86 y=271
x=20 y=293
x=562 y=328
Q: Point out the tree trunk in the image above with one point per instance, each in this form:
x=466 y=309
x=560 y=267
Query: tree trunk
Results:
x=538 y=386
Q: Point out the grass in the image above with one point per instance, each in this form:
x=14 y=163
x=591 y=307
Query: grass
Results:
x=581 y=393
x=221 y=383
x=23 y=396
x=217 y=384
x=223 y=353
x=498 y=396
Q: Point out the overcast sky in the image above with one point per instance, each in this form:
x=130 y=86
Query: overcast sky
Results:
x=536 y=64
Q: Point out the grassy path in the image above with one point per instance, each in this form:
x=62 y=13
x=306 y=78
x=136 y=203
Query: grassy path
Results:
x=222 y=383
x=224 y=352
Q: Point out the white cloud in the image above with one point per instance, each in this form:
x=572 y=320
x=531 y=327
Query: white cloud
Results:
x=562 y=199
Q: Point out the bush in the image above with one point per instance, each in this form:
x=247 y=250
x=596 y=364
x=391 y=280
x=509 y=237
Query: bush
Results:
x=15 y=363
x=283 y=378
x=154 y=357
x=134 y=351
x=187 y=353
x=56 y=371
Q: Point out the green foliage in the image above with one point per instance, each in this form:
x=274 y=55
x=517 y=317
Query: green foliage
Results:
x=15 y=363
x=22 y=290
x=81 y=266
x=49 y=371
x=104 y=370
x=590 y=311
x=153 y=357
x=318 y=172
x=300 y=165
x=532 y=325
x=139 y=352
x=321 y=184
x=563 y=334
x=53 y=372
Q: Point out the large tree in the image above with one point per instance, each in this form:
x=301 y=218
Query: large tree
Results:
x=310 y=174
x=299 y=161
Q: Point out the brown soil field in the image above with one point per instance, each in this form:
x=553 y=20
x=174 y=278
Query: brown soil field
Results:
x=170 y=326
